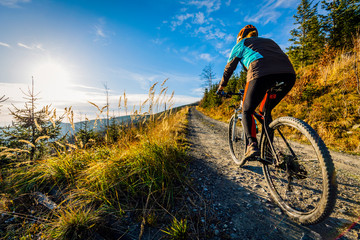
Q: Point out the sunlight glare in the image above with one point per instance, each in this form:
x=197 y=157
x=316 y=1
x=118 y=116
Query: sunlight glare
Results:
x=53 y=80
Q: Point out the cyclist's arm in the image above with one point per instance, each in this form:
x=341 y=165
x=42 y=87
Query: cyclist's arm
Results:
x=229 y=70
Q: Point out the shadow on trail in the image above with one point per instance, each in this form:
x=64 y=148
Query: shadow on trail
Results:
x=231 y=205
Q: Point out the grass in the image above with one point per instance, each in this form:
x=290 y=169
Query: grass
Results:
x=177 y=230
x=141 y=173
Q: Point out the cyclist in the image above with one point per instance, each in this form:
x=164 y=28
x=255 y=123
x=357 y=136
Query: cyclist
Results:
x=265 y=64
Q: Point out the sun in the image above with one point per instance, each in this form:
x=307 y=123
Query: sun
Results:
x=52 y=79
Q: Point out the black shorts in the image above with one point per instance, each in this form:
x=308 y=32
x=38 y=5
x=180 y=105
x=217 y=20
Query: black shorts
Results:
x=255 y=93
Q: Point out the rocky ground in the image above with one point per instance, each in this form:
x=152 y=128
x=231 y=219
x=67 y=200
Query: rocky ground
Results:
x=228 y=202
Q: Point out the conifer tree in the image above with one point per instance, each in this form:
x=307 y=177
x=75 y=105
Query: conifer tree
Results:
x=308 y=39
x=31 y=129
x=342 y=22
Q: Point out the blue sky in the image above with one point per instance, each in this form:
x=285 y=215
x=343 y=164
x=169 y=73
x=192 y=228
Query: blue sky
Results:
x=73 y=48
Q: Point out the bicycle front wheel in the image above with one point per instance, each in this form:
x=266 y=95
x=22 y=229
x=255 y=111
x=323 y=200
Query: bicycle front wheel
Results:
x=236 y=139
x=302 y=180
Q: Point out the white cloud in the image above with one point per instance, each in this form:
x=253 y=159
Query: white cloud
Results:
x=197 y=91
x=99 y=28
x=102 y=34
x=13 y=3
x=225 y=53
x=264 y=17
x=159 y=41
x=206 y=56
x=24 y=46
x=268 y=12
x=4 y=45
x=199 y=18
x=179 y=20
x=210 y=32
x=32 y=47
x=210 y=5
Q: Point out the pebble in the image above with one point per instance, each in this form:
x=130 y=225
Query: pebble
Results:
x=216 y=232
x=305 y=237
x=278 y=211
x=342 y=211
x=344 y=221
x=234 y=236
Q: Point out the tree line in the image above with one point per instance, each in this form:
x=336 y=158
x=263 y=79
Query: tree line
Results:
x=317 y=33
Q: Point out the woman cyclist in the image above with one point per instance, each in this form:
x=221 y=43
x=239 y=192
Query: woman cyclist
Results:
x=265 y=64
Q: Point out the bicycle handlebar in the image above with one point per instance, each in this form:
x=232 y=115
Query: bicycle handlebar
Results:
x=229 y=94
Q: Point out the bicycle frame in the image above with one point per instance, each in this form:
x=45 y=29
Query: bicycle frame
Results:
x=262 y=119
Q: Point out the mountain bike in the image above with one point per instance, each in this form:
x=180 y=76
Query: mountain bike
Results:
x=296 y=163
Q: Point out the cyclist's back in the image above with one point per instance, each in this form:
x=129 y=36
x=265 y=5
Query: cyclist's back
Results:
x=260 y=57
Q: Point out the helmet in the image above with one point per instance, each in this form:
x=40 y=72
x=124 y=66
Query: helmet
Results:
x=245 y=31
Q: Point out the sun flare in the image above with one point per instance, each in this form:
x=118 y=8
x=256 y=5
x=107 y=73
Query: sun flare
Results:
x=53 y=79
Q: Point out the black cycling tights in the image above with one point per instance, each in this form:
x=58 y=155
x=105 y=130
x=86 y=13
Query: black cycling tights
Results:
x=255 y=92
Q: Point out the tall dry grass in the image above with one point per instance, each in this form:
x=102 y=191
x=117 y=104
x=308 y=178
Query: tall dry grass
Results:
x=139 y=174
x=327 y=96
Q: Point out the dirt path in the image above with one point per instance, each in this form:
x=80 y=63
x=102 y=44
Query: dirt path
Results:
x=229 y=202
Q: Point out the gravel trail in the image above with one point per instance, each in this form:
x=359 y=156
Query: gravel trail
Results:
x=228 y=202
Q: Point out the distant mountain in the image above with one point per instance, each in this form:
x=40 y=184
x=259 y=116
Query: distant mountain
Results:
x=96 y=125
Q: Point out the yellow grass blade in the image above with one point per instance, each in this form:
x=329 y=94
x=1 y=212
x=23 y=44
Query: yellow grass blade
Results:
x=27 y=142
x=41 y=137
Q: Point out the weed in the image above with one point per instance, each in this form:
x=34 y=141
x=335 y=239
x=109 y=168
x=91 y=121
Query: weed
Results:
x=74 y=222
x=177 y=230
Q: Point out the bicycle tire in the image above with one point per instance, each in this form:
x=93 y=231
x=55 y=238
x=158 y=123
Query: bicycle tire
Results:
x=237 y=143
x=309 y=195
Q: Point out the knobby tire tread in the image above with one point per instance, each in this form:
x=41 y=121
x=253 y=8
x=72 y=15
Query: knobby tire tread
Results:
x=325 y=207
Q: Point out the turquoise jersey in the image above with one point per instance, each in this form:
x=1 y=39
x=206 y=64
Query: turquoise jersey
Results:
x=259 y=56
x=246 y=54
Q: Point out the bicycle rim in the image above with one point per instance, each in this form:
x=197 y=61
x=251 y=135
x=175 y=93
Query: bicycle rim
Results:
x=303 y=182
x=236 y=139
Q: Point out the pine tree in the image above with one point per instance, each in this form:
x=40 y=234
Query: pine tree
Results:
x=308 y=39
x=342 y=22
x=31 y=129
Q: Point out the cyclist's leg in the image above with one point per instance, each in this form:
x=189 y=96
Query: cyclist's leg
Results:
x=254 y=92
x=289 y=81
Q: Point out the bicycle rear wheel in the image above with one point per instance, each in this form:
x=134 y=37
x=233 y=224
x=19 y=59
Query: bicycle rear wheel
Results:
x=303 y=182
x=236 y=139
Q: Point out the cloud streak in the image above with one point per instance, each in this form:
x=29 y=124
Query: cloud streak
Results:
x=269 y=11
x=13 y=3
x=4 y=44
x=100 y=31
x=206 y=56
x=33 y=47
x=210 y=5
